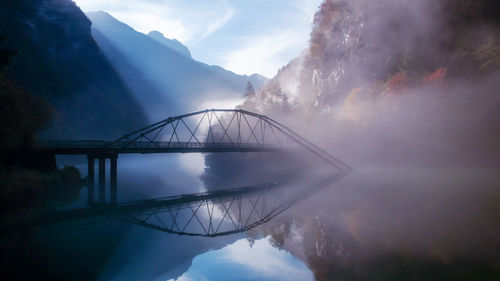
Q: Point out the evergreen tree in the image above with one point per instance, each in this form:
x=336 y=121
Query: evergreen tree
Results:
x=249 y=90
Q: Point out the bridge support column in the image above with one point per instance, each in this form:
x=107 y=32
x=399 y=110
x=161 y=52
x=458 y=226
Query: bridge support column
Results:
x=102 y=179
x=90 y=179
x=113 y=179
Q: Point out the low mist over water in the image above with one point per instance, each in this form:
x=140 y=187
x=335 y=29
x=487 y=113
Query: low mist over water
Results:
x=372 y=155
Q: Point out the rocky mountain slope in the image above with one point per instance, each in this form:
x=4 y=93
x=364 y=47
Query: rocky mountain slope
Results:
x=179 y=82
x=173 y=44
x=374 y=67
x=58 y=60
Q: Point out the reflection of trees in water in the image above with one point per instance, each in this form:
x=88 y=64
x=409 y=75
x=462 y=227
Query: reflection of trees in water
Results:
x=398 y=84
x=394 y=228
x=405 y=224
x=237 y=169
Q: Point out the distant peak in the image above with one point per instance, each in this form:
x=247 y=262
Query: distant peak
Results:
x=173 y=44
x=98 y=13
x=101 y=16
x=259 y=76
x=156 y=33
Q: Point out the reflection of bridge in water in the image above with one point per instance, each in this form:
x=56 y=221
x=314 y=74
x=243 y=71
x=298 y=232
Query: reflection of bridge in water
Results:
x=208 y=214
x=205 y=214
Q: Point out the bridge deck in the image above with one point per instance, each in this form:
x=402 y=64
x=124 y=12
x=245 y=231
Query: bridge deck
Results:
x=96 y=147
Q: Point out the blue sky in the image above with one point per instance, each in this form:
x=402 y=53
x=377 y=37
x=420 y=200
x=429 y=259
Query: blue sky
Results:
x=243 y=36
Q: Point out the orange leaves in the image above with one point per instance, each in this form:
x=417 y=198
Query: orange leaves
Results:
x=437 y=75
x=401 y=81
x=397 y=82
x=351 y=108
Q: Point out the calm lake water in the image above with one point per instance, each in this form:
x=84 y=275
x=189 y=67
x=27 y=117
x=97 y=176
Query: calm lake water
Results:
x=119 y=250
x=376 y=222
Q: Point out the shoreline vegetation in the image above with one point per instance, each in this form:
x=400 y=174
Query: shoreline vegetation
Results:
x=30 y=182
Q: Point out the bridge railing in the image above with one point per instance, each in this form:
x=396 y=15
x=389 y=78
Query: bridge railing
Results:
x=111 y=146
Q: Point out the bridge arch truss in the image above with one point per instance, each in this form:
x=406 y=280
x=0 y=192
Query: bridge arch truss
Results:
x=221 y=130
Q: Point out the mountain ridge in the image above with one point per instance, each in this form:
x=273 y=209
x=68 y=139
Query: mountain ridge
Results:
x=173 y=44
x=184 y=84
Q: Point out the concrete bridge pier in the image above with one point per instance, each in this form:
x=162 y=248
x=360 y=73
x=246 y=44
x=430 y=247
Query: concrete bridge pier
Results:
x=90 y=179
x=113 y=182
x=102 y=180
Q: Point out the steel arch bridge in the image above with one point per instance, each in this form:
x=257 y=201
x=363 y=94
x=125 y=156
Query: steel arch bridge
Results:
x=212 y=213
x=221 y=130
x=211 y=130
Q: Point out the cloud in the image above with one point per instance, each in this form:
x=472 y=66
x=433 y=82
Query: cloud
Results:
x=183 y=21
x=145 y=23
x=282 y=34
x=217 y=24
x=265 y=54
x=245 y=37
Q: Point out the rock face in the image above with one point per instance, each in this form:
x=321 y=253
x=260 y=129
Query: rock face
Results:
x=180 y=83
x=58 y=60
x=383 y=66
x=359 y=44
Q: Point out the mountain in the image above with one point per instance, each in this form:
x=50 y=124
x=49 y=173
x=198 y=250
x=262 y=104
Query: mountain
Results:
x=178 y=82
x=58 y=60
x=173 y=44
